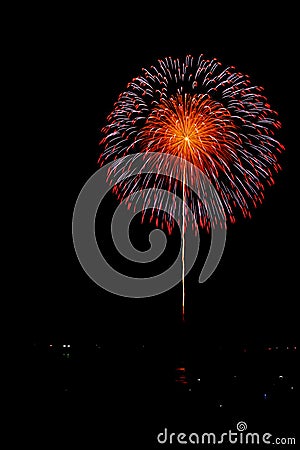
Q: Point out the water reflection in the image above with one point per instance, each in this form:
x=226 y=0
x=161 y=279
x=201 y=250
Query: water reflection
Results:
x=181 y=375
x=218 y=379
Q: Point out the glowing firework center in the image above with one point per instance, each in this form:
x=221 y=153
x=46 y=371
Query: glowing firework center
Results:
x=210 y=116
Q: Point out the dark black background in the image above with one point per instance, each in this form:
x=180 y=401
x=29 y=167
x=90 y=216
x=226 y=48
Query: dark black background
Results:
x=79 y=77
x=76 y=72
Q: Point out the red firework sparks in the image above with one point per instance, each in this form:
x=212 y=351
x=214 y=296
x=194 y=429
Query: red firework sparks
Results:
x=207 y=115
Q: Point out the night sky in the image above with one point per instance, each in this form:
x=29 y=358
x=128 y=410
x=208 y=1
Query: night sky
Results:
x=249 y=300
x=250 y=294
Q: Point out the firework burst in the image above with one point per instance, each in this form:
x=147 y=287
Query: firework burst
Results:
x=208 y=115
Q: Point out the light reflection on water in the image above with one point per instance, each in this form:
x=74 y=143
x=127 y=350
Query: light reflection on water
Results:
x=181 y=375
x=211 y=379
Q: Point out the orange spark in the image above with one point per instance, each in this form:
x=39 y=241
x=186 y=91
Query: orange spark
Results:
x=196 y=128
